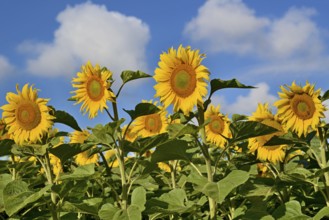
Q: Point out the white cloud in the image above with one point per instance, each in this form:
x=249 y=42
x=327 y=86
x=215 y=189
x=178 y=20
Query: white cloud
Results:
x=226 y=25
x=5 y=66
x=282 y=43
x=295 y=34
x=246 y=104
x=90 y=32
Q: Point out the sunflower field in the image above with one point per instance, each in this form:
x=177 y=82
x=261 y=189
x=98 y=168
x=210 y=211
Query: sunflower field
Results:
x=176 y=158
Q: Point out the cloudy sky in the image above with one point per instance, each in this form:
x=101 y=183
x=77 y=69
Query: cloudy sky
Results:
x=261 y=43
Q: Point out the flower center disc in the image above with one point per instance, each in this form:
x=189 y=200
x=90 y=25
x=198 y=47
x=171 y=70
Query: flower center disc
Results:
x=153 y=123
x=95 y=89
x=183 y=80
x=28 y=115
x=303 y=106
x=216 y=125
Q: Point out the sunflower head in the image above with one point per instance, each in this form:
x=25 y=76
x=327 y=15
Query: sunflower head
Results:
x=83 y=158
x=93 y=89
x=153 y=124
x=26 y=116
x=257 y=144
x=218 y=126
x=300 y=108
x=181 y=79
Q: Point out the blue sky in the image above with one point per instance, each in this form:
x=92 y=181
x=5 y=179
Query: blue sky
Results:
x=261 y=43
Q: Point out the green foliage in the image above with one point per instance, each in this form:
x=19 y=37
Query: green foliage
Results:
x=242 y=130
x=66 y=151
x=289 y=210
x=171 y=150
x=142 y=109
x=66 y=119
x=129 y=75
x=16 y=195
x=5 y=146
x=217 y=84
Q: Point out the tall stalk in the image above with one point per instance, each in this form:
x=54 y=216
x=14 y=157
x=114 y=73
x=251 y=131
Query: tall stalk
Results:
x=120 y=158
x=50 y=180
x=205 y=152
x=323 y=160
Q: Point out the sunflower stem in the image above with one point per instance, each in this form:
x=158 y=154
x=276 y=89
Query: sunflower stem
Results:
x=124 y=195
x=115 y=110
x=109 y=114
x=173 y=174
x=204 y=149
x=14 y=169
x=323 y=164
x=50 y=181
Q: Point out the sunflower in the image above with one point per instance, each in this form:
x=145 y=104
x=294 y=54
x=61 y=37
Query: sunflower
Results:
x=219 y=126
x=181 y=79
x=153 y=124
x=93 y=89
x=83 y=158
x=300 y=108
x=129 y=135
x=26 y=116
x=271 y=153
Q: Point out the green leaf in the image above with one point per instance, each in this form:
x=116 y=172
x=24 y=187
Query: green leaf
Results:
x=275 y=140
x=63 y=189
x=217 y=84
x=67 y=151
x=230 y=182
x=170 y=203
x=5 y=146
x=132 y=213
x=324 y=212
x=16 y=195
x=218 y=191
x=171 y=150
x=197 y=179
x=147 y=182
x=80 y=172
x=66 y=119
x=320 y=172
x=129 y=75
x=144 y=144
x=142 y=109
x=138 y=198
x=88 y=206
x=242 y=130
x=177 y=130
x=325 y=96
x=107 y=133
x=289 y=211
x=107 y=211
x=4 y=180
